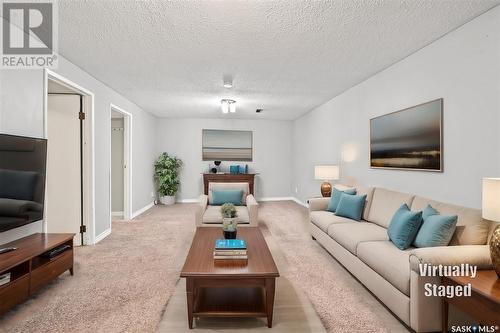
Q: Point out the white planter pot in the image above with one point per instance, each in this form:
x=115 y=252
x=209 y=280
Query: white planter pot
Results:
x=167 y=200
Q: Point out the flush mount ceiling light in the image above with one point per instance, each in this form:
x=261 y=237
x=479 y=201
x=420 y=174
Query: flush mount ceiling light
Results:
x=228 y=106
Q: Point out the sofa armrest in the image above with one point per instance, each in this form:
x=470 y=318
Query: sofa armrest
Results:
x=477 y=255
x=200 y=209
x=318 y=204
x=253 y=210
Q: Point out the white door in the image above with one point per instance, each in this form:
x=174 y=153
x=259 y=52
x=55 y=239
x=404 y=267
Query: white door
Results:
x=63 y=165
x=117 y=164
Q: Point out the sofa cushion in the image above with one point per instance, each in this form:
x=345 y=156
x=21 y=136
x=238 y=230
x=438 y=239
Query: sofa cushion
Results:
x=471 y=229
x=384 y=203
x=368 y=191
x=213 y=215
x=323 y=219
x=349 y=235
x=388 y=261
x=228 y=186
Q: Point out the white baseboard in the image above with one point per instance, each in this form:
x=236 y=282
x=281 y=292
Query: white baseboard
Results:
x=116 y=213
x=103 y=235
x=187 y=200
x=143 y=209
x=276 y=199
x=284 y=199
x=259 y=199
x=301 y=203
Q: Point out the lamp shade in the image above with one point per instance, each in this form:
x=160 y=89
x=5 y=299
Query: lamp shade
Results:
x=491 y=199
x=326 y=172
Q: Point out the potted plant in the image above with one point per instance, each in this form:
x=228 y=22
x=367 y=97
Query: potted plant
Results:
x=229 y=225
x=167 y=177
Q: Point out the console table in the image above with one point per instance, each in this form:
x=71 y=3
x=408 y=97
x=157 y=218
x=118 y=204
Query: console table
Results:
x=29 y=270
x=228 y=178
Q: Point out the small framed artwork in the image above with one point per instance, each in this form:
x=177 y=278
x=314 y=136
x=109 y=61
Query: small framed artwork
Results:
x=409 y=139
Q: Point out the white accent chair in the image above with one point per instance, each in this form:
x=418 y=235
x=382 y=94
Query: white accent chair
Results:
x=208 y=215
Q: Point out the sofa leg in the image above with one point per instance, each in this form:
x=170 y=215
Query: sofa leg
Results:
x=313 y=238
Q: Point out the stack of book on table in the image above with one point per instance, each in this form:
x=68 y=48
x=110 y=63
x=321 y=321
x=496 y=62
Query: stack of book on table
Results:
x=4 y=278
x=230 y=249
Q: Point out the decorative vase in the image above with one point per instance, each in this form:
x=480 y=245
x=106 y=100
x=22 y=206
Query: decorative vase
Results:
x=229 y=227
x=326 y=189
x=167 y=200
x=495 y=249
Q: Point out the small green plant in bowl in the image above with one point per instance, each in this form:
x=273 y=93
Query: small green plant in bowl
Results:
x=229 y=224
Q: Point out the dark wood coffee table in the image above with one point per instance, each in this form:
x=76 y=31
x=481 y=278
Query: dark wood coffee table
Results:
x=229 y=288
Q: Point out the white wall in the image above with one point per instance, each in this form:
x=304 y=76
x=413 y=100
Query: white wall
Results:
x=463 y=68
x=272 y=152
x=21 y=113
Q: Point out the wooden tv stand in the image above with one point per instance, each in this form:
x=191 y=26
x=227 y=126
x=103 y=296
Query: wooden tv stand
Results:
x=29 y=270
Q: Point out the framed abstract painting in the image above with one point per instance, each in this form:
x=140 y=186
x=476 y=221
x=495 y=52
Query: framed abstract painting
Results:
x=409 y=139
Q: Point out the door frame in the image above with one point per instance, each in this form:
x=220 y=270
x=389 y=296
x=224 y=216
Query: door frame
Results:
x=127 y=162
x=88 y=150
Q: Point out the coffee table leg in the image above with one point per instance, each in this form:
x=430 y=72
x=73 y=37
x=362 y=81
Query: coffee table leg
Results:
x=190 y=300
x=270 y=286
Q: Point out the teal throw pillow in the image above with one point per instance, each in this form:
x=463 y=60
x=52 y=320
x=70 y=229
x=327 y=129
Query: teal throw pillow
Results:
x=428 y=211
x=404 y=227
x=220 y=197
x=335 y=198
x=351 y=206
x=437 y=230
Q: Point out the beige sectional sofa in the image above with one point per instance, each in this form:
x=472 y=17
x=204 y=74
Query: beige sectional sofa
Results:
x=392 y=274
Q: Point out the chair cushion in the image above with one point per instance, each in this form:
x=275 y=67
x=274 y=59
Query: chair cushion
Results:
x=228 y=186
x=335 y=198
x=404 y=227
x=213 y=215
x=220 y=197
x=349 y=235
x=351 y=206
x=384 y=203
x=323 y=219
x=436 y=230
x=471 y=229
x=388 y=261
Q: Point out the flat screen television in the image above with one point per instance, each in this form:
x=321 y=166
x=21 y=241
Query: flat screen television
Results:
x=22 y=180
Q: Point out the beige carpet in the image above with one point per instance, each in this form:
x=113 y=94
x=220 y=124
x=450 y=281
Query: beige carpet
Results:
x=124 y=283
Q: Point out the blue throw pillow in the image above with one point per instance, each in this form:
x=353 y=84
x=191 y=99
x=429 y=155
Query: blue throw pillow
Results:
x=437 y=230
x=351 y=206
x=428 y=211
x=404 y=227
x=335 y=198
x=220 y=197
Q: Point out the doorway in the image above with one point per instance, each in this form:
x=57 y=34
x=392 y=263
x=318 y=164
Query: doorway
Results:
x=69 y=131
x=120 y=164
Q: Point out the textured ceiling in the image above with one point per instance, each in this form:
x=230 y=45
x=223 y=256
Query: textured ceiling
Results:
x=285 y=56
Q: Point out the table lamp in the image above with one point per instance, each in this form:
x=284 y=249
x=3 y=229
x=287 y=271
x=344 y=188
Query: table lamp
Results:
x=326 y=173
x=491 y=211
